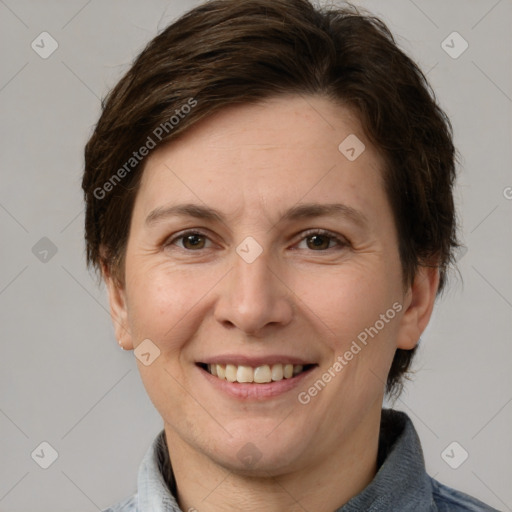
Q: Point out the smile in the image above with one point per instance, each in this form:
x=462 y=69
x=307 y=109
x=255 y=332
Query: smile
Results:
x=260 y=374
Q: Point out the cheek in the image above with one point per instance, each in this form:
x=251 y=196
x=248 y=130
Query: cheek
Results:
x=168 y=305
x=346 y=301
x=159 y=302
x=164 y=307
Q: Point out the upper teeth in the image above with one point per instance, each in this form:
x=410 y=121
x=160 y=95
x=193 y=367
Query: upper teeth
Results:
x=260 y=374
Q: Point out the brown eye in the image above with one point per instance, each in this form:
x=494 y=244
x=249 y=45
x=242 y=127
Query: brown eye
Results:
x=318 y=242
x=189 y=241
x=193 y=241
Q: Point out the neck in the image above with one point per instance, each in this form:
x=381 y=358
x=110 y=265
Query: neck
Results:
x=324 y=484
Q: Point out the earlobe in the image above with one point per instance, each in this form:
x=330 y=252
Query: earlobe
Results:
x=418 y=304
x=118 y=309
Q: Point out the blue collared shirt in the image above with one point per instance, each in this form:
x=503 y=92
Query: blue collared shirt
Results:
x=401 y=483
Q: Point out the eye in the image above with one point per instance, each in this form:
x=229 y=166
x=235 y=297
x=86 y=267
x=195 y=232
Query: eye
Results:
x=320 y=240
x=192 y=240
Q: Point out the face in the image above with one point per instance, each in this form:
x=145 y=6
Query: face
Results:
x=257 y=244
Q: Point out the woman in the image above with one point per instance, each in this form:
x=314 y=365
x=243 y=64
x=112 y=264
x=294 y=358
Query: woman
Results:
x=269 y=200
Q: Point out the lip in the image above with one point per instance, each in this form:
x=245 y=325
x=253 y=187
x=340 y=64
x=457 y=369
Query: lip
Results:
x=244 y=360
x=251 y=390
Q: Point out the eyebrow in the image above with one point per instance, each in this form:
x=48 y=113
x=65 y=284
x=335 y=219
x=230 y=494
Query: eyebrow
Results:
x=297 y=212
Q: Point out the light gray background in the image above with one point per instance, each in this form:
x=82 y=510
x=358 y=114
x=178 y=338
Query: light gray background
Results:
x=63 y=378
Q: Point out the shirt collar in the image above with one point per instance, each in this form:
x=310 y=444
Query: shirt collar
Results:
x=401 y=482
x=153 y=493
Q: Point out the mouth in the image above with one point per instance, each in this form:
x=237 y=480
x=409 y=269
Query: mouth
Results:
x=262 y=374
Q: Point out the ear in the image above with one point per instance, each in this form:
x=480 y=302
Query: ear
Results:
x=418 y=304
x=118 y=308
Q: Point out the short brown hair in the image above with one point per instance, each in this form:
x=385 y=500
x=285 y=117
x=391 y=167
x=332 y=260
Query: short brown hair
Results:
x=228 y=52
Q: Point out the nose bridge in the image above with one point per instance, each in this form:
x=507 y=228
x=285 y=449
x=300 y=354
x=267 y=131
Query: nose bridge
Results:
x=255 y=296
x=252 y=273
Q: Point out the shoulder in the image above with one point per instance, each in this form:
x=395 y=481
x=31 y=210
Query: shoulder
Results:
x=451 y=500
x=127 y=505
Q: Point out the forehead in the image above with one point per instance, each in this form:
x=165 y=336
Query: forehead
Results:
x=283 y=148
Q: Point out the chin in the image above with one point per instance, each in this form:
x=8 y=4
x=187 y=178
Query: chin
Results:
x=262 y=454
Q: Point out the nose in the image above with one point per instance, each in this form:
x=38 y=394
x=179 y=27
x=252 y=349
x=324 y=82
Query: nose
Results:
x=254 y=298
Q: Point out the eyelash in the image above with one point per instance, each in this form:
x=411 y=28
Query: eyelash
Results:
x=341 y=241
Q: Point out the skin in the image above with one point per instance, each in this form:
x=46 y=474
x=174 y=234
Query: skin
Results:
x=252 y=163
